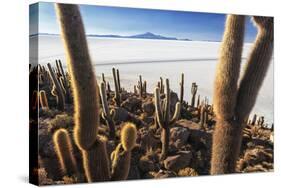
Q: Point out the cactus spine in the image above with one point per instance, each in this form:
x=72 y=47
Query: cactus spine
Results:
x=57 y=89
x=163 y=117
x=64 y=151
x=107 y=116
x=85 y=90
x=232 y=105
x=121 y=157
x=43 y=100
x=194 y=88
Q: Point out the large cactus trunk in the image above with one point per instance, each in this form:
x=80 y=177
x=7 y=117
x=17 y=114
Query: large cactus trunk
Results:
x=232 y=104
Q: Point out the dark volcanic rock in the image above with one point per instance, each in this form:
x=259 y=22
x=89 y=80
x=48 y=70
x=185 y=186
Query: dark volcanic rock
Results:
x=179 y=161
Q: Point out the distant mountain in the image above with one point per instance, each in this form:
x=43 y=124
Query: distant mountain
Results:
x=147 y=35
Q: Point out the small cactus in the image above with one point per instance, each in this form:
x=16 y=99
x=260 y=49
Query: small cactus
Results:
x=64 y=151
x=121 y=157
x=253 y=122
x=141 y=87
x=43 y=100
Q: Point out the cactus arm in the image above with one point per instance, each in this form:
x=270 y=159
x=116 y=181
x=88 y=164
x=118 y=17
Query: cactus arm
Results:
x=158 y=111
x=176 y=114
x=117 y=91
x=256 y=67
x=228 y=68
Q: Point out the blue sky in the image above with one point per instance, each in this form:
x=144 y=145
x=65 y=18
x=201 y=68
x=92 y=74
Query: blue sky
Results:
x=131 y=21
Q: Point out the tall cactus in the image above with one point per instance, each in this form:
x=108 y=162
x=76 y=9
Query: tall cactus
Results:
x=121 y=156
x=107 y=116
x=232 y=105
x=85 y=90
x=64 y=151
x=163 y=117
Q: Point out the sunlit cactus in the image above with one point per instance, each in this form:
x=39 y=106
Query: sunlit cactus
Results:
x=194 y=88
x=43 y=100
x=121 y=156
x=64 y=151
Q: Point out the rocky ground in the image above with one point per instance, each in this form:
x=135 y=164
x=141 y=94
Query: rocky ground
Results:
x=190 y=143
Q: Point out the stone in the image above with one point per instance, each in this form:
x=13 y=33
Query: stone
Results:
x=148 y=107
x=179 y=136
x=179 y=161
x=132 y=104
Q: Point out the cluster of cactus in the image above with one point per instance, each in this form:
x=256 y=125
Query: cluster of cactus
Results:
x=194 y=88
x=116 y=77
x=86 y=102
x=164 y=120
x=233 y=102
x=57 y=88
x=141 y=87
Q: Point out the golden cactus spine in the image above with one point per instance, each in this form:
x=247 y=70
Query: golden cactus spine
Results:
x=121 y=156
x=85 y=90
x=64 y=151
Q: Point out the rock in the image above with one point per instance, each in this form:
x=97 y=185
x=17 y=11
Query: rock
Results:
x=146 y=165
x=132 y=104
x=146 y=139
x=120 y=114
x=164 y=174
x=179 y=161
x=148 y=107
x=179 y=136
x=133 y=173
x=198 y=138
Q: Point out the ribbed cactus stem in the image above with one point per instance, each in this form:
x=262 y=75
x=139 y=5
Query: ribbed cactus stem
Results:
x=65 y=83
x=226 y=138
x=140 y=86
x=121 y=157
x=43 y=100
x=64 y=151
x=182 y=88
x=57 y=85
x=253 y=122
x=118 y=80
x=106 y=112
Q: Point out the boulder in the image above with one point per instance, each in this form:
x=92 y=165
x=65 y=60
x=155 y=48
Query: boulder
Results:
x=179 y=161
x=179 y=136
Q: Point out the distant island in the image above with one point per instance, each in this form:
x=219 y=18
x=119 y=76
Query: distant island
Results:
x=147 y=35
